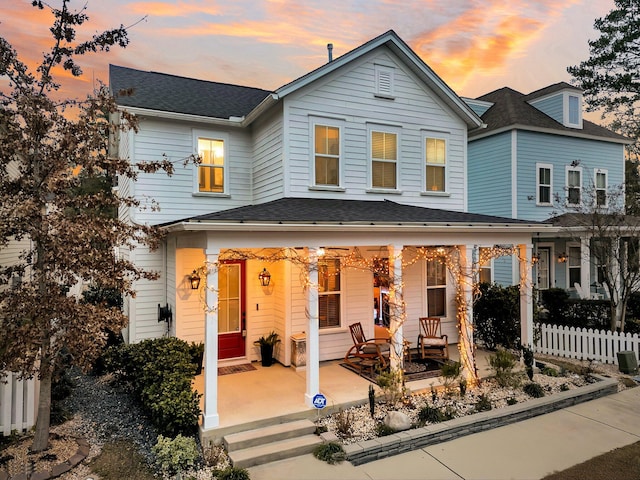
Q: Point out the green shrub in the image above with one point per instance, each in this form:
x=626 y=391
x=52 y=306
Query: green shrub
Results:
x=511 y=401
x=372 y=400
x=391 y=384
x=534 y=390
x=496 y=316
x=549 y=372
x=177 y=454
x=234 y=473
x=429 y=414
x=383 y=430
x=330 y=452
x=450 y=372
x=483 y=404
x=503 y=362
x=527 y=355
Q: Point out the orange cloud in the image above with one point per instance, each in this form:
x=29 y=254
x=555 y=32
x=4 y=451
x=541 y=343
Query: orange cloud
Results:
x=173 y=9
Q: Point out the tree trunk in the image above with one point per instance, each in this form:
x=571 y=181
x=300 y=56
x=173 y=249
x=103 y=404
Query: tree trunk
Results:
x=41 y=437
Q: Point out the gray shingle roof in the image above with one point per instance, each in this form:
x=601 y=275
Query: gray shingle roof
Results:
x=511 y=108
x=170 y=93
x=332 y=211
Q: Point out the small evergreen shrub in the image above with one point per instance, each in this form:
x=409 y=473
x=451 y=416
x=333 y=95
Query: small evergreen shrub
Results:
x=429 y=414
x=503 y=362
x=330 y=452
x=511 y=401
x=483 y=404
x=383 y=430
x=450 y=373
x=549 y=372
x=372 y=400
x=527 y=355
x=534 y=390
x=392 y=386
x=234 y=473
x=463 y=387
x=564 y=387
x=177 y=454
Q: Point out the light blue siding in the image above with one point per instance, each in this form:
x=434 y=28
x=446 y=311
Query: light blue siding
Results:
x=503 y=271
x=561 y=151
x=552 y=106
x=490 y=175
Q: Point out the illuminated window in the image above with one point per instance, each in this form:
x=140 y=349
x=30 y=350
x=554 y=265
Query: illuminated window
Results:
x=329 y=292
x=436 y=289
x=327 y=155
x=436 y=162
x=211 y=170
x=384 y=156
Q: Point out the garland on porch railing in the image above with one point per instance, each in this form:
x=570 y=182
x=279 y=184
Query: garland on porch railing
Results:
x=463 y=271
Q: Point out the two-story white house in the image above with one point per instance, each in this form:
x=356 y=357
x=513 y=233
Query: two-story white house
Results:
x=539 y=159
x=353 y=170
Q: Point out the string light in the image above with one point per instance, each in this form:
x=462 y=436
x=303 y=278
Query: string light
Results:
x=463 y=271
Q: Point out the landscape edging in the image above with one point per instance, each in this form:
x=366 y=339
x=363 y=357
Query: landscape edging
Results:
x=397 y=443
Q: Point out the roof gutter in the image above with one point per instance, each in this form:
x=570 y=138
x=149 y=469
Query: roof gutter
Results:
x=360 y=227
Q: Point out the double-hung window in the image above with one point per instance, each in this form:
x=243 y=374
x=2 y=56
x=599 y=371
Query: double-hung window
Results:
x=574 y=110
x=436 y=288
x=327 y=155
x=436 y=164
x=574 y=186
x=574 y=266
x=544 y=174
x=384 y=159
x=600 y=182
x=485 y=273
x=211 y=171
x=329 y=292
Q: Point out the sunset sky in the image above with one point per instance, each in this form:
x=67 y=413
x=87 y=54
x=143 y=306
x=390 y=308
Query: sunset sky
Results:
x=475 y=46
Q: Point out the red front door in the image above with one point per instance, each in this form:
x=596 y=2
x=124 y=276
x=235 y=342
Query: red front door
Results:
x=231 y=309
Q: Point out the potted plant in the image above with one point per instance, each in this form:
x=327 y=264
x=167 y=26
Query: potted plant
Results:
x=196 y=350
x=267 y=344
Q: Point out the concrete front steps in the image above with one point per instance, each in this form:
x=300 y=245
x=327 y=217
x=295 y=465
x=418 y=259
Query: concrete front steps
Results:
x=268 y=444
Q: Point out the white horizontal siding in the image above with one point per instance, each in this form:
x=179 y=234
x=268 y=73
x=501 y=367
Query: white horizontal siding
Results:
x=268 y=167
x=348 y=94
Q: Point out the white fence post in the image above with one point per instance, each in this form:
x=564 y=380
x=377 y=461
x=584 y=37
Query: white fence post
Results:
x=585 y=344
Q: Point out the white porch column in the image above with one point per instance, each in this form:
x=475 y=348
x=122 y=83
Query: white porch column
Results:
x=585 y=264
x=396 y=306
x=211 y=417
x=469 y=256
x=526 y=296
x=313 y=330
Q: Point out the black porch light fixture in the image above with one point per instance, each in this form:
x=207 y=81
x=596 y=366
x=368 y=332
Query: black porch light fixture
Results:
x=265 y=277
x=194 y=280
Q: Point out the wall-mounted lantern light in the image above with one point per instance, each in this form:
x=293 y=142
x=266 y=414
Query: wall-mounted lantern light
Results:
x=265 y=277
x=194 y=280
x=535 y=258
x=562 y=258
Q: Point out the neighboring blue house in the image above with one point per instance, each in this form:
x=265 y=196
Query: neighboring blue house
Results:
x=537 y=158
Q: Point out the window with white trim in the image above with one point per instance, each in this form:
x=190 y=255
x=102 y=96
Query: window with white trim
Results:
x=436 y=164
x=574 y=265
x=327 y=155
x=485 y=270
x=574 y=110
x=329 y=292
x=574 y=185
x=211 y=170
x=600 y=183
x=436 y=288
x=544 y=176
x=384 y=159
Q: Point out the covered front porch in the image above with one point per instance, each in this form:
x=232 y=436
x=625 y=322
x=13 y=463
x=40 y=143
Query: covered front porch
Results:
x=269 y=395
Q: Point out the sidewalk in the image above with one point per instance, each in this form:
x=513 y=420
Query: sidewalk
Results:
x=526 y=450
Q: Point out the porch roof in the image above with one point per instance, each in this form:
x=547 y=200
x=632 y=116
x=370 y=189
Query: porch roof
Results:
x=319 y=212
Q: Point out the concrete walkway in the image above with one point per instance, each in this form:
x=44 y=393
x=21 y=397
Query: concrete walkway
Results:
x=526 y=450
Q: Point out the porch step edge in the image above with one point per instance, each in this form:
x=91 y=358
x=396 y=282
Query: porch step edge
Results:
x=271 y=452
x=268 y=434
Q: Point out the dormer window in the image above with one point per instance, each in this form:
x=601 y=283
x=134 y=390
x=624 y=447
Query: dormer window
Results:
x=573 y=112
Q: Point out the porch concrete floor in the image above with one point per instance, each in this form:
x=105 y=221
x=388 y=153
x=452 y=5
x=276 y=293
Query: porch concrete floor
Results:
x=271 y=394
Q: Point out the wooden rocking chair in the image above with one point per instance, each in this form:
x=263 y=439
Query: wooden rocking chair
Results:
x=431 y=343
x=371 y=354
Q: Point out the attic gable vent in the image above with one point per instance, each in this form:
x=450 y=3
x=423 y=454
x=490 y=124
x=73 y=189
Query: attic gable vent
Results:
x=384 y=81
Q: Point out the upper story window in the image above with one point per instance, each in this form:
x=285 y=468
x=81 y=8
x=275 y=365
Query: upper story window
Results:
x=436 y=164
x=211 y=171
x=544 y=175
x=574 y=110
x=574 y=185
x=329 y=292
x=436 y=288
x=600 y=182
x=327 y=155
x=385 y=79
x=384 y=159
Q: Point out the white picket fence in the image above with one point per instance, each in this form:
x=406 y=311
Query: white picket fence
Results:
x=585 y=344
x=18 y=403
